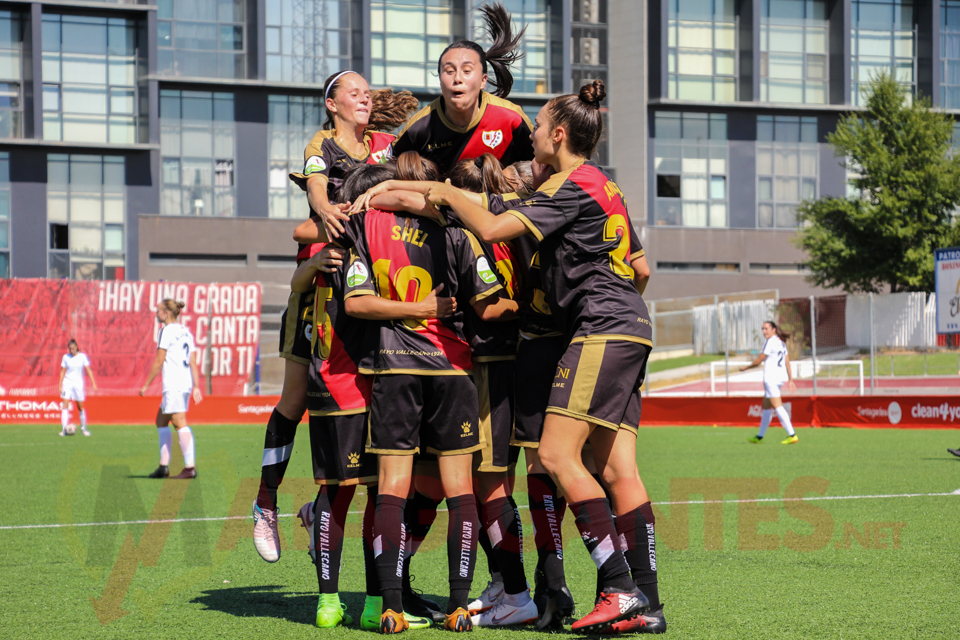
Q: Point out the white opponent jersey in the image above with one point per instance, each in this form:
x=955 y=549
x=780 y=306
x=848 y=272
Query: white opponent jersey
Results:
x=178 y=341
x=775 y=365
x=74 y=366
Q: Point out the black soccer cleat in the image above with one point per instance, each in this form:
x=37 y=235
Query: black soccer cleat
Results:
x=558 y=607
x=416 y=605
x=160 y=472
x=955 y=452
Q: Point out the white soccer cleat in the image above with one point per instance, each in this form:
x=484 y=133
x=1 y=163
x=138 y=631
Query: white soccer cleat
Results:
x=306 y=521
x=266 y=537
x=84 y=431
x=492 y=594
x=503 y=614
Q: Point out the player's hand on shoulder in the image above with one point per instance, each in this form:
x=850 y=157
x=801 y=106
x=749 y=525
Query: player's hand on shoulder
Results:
x=328 y=259
x=331 y=215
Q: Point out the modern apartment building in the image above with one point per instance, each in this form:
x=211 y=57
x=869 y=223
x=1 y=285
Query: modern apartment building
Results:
x=153 y=141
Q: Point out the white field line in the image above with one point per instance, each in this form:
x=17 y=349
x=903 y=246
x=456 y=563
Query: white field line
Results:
x=291 y=515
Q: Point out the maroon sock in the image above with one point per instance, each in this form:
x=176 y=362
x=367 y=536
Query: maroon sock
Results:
x=501 y=521
x=636 y=530
x=546 y=510
x=389 y=538
x=461 y=548
x=595 y=523
x=369 y=564
x=277 y=445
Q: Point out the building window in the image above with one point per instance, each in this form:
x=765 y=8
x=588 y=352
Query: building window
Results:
x=779 y=268
x=4 y=214
x=89 y=79
x=201 y=38
x=787 y=168
x=307 y=41
x=293 y=122
x=691 y=169
x=883 y=39
x=86 y=217
x=699 y=267
x=793 y=45
x=702 y=50
x=531 y=73
x=11 y=101
x=198 y=152
x=950 y=54
x=408 y=37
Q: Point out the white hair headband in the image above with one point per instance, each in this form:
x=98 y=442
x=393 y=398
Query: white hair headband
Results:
x=326 y=94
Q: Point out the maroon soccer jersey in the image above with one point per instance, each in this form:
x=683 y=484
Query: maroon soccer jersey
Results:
x=580 y=218
x=404 y=258
x=336 y=386
x=500 y=128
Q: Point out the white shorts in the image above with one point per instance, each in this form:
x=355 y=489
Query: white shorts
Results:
x=772 y=389
x=71 y=392
x=174 y=402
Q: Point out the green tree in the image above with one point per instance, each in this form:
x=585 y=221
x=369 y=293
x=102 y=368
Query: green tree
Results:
x=909 y=186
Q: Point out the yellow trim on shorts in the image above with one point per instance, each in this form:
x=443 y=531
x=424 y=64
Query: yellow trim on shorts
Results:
x=454 y=452
x=366 y=480
x=290 y=330
x=629 y=427
x=338 y=412
x=393 y=452
x=608 y=337
x=584 y=384
x=490 y=469
x=416 y=372
x=292 y=358
x=585 y=417
x=526 y=445
x=494 y=358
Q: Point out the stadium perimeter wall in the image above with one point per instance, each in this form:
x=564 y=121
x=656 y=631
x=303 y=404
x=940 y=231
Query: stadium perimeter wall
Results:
x=902 y=412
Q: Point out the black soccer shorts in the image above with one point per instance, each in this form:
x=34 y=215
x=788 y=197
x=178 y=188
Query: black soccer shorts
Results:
x=296 y=327
x=337 y=446
x=535 y=367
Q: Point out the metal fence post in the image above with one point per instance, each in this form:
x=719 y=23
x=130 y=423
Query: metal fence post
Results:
x=813 y=341
x=726 y=345
x=873 y=348
x=716 y=305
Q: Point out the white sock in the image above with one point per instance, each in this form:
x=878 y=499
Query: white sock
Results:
x=166 y=439
x=186 y=446
x=765 y=419
x=785 y=420
x=83 y=419
x=64 y=417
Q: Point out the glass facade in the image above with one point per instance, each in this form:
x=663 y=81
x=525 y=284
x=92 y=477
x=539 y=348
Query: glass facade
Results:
x=86 y=217
x=90 y=79
x=408 y=37
x=198 y=153
x=950 y=54
x=883 y=38
x=531 y=73
x=691 y=169
x=787 y=168
x=793 y=51
x=308 y=41
x=4 y=214
x=702 y=50
x=293 y=122
x=201 y=38
x=11 y=75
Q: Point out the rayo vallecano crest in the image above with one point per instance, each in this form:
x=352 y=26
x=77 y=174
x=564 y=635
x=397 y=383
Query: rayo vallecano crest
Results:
x=492 y=138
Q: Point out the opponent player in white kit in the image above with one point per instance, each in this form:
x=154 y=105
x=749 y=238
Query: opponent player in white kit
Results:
x=72 y=367
x=776 y=371
x=175 y=355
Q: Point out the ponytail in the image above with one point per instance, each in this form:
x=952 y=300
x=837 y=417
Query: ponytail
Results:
x=412 y=166
x=580 y=116
x=502 y=53
x=173 y=306
x=480 y=175
x=389 y=110
x=780 y=334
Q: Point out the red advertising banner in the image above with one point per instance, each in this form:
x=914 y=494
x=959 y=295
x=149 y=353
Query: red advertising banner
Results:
x=114 y=322
x=137 y=410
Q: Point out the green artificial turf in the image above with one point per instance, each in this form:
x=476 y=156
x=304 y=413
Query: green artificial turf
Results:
x=683 y=361
x=771 y=569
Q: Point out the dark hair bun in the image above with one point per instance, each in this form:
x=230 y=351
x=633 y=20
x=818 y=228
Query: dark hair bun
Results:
x=181 y=305
x=593 y=93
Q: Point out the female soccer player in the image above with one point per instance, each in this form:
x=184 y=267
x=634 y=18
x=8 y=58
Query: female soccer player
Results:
x=72 y=367
x=776 y=371
x=351 y=136
x=466 y=121
x=175 y=358
x=580 y=218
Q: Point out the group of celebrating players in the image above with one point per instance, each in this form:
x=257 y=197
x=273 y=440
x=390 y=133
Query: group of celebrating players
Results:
x=466 y=289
